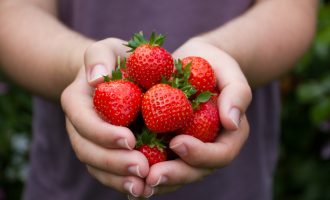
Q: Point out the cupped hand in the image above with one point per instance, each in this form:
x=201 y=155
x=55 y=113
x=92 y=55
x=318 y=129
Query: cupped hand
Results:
x=104 y=148
x=198 y=159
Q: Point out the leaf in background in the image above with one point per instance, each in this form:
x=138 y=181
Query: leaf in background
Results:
x=321 y=111
x=313 y=92
x=309 y=92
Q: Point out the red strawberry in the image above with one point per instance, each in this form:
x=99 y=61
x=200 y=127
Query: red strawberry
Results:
x=205 y=123
x=165 y=109
x=153 y=148
x=202 y=76
x=117 y=102
x=153 y=154
x=149 y=63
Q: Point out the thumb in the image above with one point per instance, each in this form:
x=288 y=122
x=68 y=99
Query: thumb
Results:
x=233 y=102
x=101 y=58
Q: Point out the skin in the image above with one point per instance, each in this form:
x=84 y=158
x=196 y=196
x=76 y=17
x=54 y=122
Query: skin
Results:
x=268 y=48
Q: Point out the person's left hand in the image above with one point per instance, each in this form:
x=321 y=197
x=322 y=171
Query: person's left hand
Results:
x=198 y=159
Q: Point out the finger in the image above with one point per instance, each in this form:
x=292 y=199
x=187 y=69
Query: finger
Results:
x=115 y=161
x=126 y=184
x=169 y=176
x=77 y=104
x=131 y=197
x=174 y=173
x=211 y=155
x=101 y=58
x=151 y=191
x=235 y=93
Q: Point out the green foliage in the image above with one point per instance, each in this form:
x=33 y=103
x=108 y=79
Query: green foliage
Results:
x=15 y=134
x=304 y=167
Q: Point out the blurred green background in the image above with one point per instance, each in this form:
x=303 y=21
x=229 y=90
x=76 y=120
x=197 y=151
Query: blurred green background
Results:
x=303 y=171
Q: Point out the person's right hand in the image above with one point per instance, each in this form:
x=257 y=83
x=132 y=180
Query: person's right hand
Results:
x=104 y=148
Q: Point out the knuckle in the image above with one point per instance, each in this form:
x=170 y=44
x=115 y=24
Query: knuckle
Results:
x=228 y=157
x=111 y=40
x=79 y=156
x=244 y=86
x=92 y=49
x=64 y=97
x=108 y=163
x=96 y=175
x=224 y=157
x=246 y=91
x=90 y=171
x=199 y=160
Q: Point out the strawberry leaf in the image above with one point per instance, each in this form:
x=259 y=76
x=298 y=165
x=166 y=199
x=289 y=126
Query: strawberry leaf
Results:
x=202 y=98
x=160 y=39
x=178 y=66
x=152 y=38
x=188 y=90
x=116 y=75
x=180 y=79
x=149 y=138
x=186 y=72
x=106 y=78
x=138 y=39
x=165 y=81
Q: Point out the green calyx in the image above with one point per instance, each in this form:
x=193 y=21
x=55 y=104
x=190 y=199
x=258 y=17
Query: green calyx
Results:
x=202 y=98
x=106 y=78
x=117 y=73
x=139 y=39
x=150 y=139
x=180 y=79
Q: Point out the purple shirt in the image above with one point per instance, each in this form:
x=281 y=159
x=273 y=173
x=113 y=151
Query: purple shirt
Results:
x=55 y=172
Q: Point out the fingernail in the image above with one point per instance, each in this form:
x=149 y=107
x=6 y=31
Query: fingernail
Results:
x=161 y=180
x=180 y=149
x=150 y=192
x=234 y=115
x=122 y=142
x=128 y=186
x=135 y=169
x=98 y=71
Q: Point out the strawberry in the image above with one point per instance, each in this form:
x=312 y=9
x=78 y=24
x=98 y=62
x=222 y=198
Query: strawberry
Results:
x=205 y=123
x=117 y=101
x=153 y=154
x=149 y=62
x=153 y=148
x=202 y=76
x=165 y=109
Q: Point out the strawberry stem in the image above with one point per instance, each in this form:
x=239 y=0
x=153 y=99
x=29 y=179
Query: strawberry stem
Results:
x=116 y=74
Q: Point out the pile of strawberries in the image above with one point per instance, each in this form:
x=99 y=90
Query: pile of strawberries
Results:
x=158 y=97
